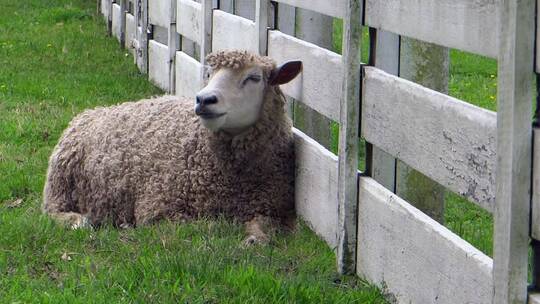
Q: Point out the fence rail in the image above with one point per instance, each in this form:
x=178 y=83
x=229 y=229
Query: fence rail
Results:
x=373 y=231
x=449 y=140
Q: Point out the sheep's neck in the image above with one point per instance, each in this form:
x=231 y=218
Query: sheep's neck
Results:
x=234 y=132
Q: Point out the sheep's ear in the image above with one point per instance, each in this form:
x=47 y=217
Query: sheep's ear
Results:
x=285 y=72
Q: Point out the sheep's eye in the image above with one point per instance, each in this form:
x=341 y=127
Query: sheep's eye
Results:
x=254 y=78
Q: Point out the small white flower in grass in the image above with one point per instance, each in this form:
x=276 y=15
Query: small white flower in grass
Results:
x=66 y=257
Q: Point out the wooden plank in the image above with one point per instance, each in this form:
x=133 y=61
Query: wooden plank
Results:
x=188 y=75
x=116 y=25
x=534 y=298
x=316 y=187
x=413 y=258
x=450 y=141
x=514 y=137
x=245 y=33
x=334 y=8
x=461 y=24
x=158 y=12
x=348 y=138
x=189 y=20
x=131 y=34
x=320 y=83
x=535 y=225
x=158 y=64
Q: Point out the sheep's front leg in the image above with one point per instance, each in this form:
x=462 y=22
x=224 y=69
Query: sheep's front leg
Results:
x=257 y=229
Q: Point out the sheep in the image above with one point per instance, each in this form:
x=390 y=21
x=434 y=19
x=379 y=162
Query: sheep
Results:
x=230 y=155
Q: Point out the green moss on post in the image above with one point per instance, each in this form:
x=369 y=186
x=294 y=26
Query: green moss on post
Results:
x=426 y=64
x=317 y=29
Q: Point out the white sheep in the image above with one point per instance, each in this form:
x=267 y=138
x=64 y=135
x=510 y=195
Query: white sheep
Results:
x=138 y=162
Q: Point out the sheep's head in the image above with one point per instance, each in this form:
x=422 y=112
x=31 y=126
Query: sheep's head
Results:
x=233 y=98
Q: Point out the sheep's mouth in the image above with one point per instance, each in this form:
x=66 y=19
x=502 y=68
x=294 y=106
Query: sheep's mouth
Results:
x=210 y=115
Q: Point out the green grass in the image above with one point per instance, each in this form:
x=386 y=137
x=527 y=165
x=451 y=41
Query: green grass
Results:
x=55 y=61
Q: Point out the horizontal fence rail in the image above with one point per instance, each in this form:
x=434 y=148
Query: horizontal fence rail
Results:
x=320 y=80
x=335 y=8
x=416 y=258
x=189 y=20
x=462 y=24
x=245 y=33
x=316 y=186
x=449 y=140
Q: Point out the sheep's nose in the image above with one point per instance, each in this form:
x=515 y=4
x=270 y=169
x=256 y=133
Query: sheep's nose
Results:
x=206 y=100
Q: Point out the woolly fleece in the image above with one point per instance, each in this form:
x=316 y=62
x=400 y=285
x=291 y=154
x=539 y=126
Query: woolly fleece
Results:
x=138 y=162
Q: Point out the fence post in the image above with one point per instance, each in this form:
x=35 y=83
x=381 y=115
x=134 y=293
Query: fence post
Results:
x=206 y=33
x=141 y=21
x=348 y=139
x=109 y=18
x=245 y=8
x=286 y=23
x=123 y=9
x=317 y=29
x=383 y=165
x=426 y=64
x=514 y=146
x=261 y=21
x=226 y=5
x=172 y=47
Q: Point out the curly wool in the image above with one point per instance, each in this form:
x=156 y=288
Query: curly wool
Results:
x=238 y=59
x=143 y=161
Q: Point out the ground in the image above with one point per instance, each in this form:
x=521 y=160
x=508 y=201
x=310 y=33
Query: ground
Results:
x=56 y=60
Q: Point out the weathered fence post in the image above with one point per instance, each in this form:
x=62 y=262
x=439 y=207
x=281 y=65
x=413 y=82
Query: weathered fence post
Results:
x=206 y=33
x=348 y=138
x=261 y=22
x=245 y=8
x=226 y=5
x=123 y=9
x=286 y=23
x=426 y=64
x=514 y=146
x=383 y=165
x=141 y=22
x=317 y=29
x=171 y=42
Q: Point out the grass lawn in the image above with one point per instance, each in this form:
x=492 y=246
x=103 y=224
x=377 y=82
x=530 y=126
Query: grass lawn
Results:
x=55 y=61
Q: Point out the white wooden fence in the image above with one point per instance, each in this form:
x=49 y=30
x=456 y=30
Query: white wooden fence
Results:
x=376 y=233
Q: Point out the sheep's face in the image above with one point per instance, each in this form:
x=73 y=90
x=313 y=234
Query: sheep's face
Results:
x=232 y=100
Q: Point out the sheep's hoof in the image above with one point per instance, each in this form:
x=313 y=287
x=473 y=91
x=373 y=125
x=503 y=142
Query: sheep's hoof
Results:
x=125 y=226
x=80 y=222
x=253 y=240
